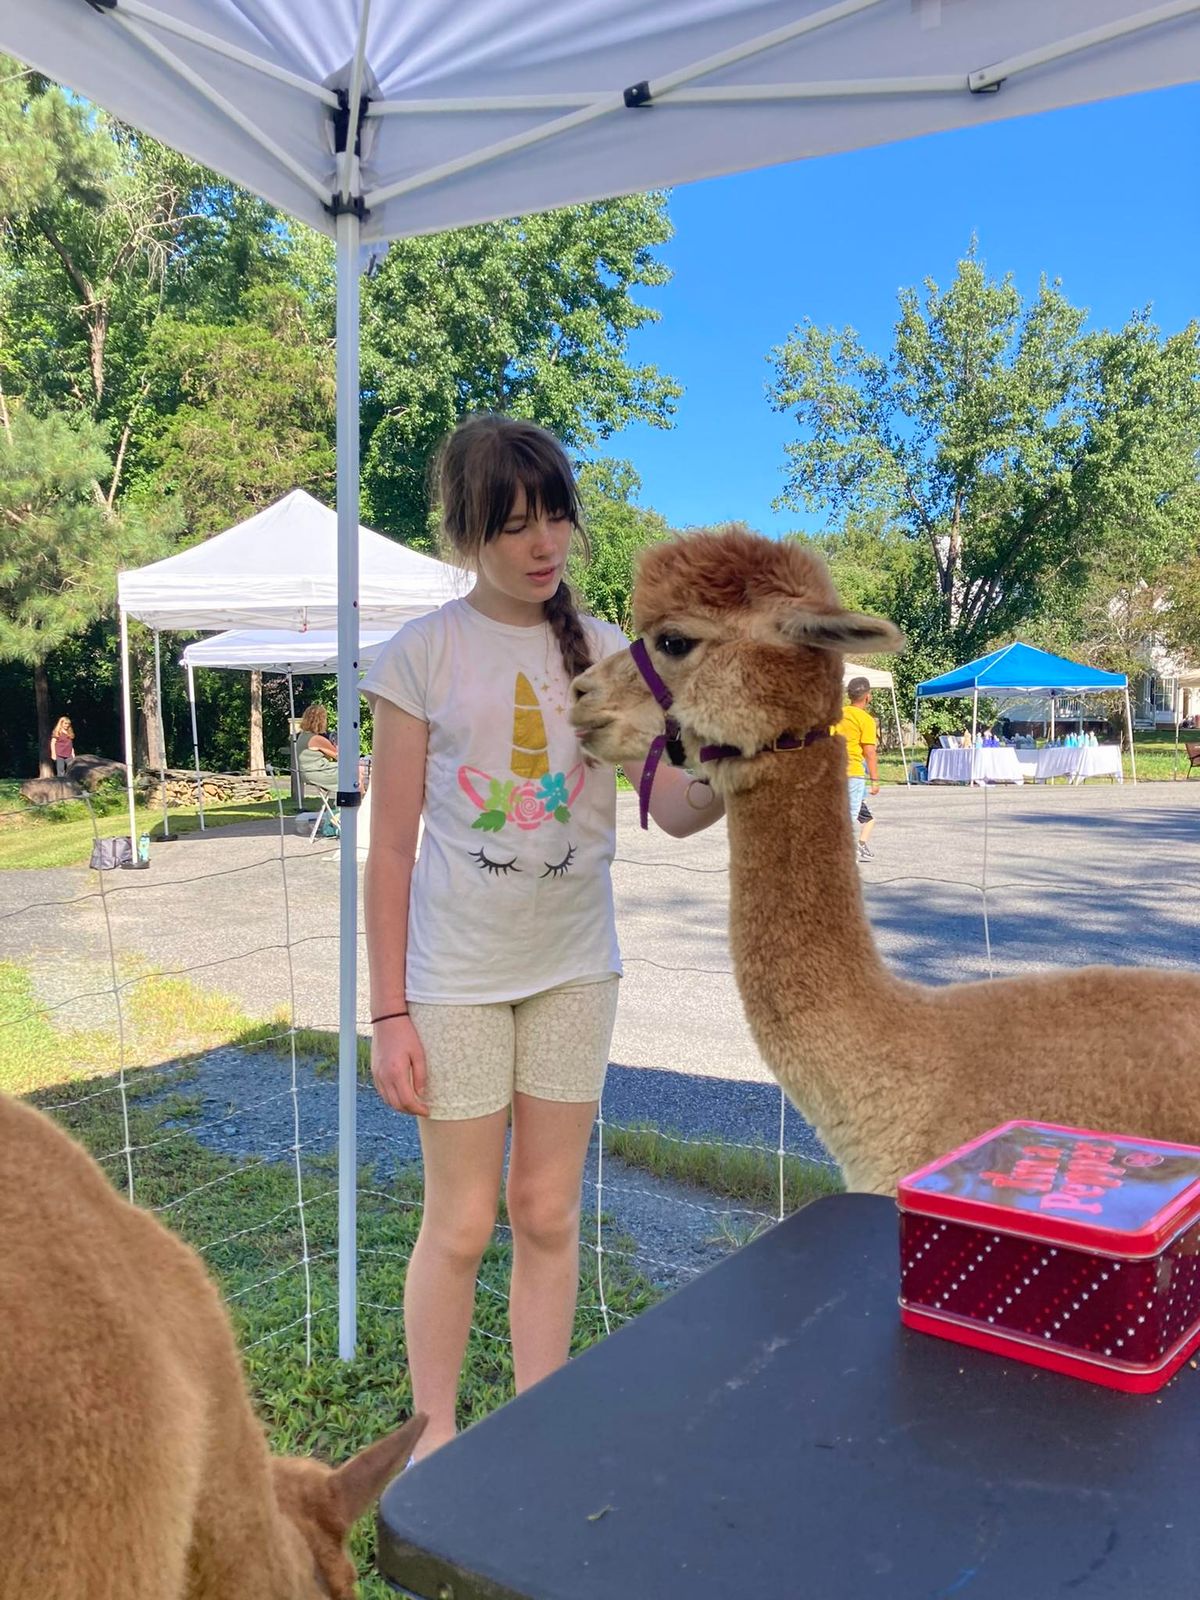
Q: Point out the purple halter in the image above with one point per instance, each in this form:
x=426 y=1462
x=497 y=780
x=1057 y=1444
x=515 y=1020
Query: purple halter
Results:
x=670 y=740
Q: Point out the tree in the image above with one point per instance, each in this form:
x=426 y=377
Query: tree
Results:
x=238 y=412
x=531 y=317
x=60 y=543
x=1010 y=446
x=617 y=529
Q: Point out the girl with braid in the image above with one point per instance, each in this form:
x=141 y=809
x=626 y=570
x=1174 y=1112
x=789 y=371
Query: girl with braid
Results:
x=493 y=953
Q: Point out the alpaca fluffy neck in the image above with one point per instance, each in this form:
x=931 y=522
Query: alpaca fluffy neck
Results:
x=815 y=991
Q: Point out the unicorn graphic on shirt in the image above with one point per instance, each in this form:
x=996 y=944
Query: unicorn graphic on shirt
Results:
x=532 y=794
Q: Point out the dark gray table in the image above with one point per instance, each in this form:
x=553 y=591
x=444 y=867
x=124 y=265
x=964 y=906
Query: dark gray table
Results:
x=771 y=1430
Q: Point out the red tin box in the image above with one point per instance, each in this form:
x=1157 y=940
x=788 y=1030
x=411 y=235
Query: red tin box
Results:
x=1068 y=1249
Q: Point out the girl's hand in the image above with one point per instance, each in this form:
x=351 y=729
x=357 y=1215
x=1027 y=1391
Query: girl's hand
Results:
x=398 y=1066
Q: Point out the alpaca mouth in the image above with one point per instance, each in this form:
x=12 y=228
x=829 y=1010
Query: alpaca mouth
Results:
x=586 y=731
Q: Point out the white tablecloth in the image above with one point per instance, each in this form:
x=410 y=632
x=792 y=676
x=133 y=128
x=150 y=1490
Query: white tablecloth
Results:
x=1080 y=762
x=999 y=765
x=1027 y=760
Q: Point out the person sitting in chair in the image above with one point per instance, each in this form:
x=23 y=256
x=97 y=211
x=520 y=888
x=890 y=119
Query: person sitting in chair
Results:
x=316 y=754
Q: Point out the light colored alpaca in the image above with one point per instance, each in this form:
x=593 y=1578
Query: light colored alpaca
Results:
x=748 y=636
x=132 y=1466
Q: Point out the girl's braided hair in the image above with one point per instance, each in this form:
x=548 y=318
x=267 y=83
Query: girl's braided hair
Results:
x=477 y=471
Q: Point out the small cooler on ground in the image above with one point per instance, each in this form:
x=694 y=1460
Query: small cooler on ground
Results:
x=1072 y=1250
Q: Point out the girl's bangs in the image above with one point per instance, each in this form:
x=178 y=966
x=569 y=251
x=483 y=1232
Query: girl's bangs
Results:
x=544 y=476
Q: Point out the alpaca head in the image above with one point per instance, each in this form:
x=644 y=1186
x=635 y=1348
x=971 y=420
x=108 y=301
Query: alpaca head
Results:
x=746 y=633
x=321 y=1504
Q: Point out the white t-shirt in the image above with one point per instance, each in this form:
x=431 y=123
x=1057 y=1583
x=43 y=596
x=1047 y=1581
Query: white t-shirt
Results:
x=511 y=892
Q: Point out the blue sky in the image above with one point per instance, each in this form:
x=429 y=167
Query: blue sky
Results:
x=1104 y=197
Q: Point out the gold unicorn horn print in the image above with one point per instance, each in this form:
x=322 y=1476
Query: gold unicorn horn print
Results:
x=529 y=759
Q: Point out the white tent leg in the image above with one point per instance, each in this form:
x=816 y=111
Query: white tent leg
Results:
x=1052 y=719
x=974 y=731
x=349 y=231
x=899 y=735
x=297 y=792
x=1129 y=730
x=127 y=720
x=191 y=693
x=162 y=735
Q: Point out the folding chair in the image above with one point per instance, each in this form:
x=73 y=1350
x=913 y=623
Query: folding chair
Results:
x=325 y=792
x=326 y=809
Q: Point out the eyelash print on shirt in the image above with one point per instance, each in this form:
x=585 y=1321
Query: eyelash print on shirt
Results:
x=486 y=864
x=558 y=869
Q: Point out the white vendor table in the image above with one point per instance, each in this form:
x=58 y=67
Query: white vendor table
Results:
x=1083 y=761
x=999 y=765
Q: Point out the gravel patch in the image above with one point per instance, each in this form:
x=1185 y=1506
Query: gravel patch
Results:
x=247 y=1112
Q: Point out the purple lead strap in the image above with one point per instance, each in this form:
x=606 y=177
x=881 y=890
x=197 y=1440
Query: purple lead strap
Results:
x=658 y=745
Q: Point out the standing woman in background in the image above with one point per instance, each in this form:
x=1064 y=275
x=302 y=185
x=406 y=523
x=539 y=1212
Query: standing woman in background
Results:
x=493 y=956
x=62 y=746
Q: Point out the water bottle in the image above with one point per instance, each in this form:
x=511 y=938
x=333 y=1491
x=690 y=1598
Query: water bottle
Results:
x=144 y=849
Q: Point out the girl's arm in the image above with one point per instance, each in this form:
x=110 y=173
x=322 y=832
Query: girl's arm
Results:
x=680 y=804
x=398 y=793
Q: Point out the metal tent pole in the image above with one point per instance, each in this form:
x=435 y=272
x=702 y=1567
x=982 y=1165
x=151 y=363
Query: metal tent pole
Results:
x=899 y=735
x=297 y=793
x=162 y=735
x=191 y=692
x=1052 y=716
x=127 y=722
x=348 y=237
x=1129 y=730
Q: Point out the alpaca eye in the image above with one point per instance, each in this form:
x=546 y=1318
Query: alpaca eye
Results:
x=486 y=864
x=556 y=869
x=674 y=644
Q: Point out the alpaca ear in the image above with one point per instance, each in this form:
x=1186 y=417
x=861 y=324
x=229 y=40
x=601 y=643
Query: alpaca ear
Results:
x=855 y=632
x=358 y=1483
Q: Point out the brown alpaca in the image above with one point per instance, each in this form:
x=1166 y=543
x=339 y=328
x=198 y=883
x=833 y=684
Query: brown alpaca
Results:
x=132 y=1465
x=748 y=636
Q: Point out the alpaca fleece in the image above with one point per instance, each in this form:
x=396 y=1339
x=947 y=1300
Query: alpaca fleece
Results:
x=748 y=636
x=133 y=1466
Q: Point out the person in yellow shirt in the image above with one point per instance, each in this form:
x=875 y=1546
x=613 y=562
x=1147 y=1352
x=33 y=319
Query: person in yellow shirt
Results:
x=861 y=733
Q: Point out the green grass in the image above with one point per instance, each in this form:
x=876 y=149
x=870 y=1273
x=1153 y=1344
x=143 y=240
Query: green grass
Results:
x=63 y=838
x=163 y=1019
x=734 y=1171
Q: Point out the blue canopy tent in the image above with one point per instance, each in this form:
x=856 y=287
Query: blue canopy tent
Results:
x=1020 y=669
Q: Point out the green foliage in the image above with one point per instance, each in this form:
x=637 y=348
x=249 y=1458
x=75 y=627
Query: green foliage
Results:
x=617 y=529
x=997 y=457
x=60 y=545
x=238 y=413
x=193 y=326
x=531 y=317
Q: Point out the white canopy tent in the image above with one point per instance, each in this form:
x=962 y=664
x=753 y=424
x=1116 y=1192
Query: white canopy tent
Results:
x=277 y=570
x=290 y=655
x=264 y=650
x=879 y=679
x=374 y=119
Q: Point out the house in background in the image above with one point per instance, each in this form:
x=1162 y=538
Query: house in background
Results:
x=1167 y=691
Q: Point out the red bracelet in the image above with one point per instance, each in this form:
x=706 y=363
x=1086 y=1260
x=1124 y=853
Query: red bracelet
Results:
x=387 y=1016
